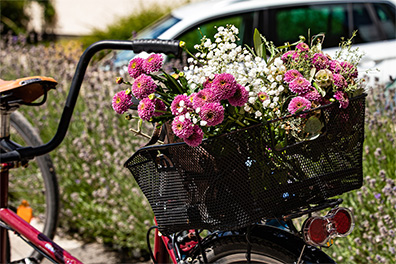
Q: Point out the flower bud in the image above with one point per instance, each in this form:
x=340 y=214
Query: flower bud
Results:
x=119 y=80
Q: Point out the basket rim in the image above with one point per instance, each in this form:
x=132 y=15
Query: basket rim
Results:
x=164 y=146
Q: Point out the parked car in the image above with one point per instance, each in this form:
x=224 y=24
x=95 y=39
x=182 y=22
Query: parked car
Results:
x=284 y=20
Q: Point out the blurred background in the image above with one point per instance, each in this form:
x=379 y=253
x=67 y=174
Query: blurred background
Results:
x=100 y=200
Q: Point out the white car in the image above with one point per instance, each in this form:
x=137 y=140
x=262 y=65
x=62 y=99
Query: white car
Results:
x=281 y=21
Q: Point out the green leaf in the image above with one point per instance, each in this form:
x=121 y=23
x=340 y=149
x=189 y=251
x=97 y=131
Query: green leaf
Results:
x=258 y=43
x=313 y=126
x=320 y=90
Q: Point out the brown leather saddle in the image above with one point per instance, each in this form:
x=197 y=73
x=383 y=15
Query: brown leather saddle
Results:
x=25 y=90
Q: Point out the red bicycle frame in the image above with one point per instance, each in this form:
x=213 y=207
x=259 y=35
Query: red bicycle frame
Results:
x=20 y=226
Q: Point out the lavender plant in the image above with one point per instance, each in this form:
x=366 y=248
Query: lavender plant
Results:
x=373 y=239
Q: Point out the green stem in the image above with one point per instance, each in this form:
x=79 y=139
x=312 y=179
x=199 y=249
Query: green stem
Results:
x=165 y=102
x=237 y=121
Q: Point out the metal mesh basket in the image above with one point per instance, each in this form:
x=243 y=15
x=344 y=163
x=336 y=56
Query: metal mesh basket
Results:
x=236 y=179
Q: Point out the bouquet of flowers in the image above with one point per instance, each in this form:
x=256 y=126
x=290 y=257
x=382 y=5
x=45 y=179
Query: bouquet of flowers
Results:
x=226 y=87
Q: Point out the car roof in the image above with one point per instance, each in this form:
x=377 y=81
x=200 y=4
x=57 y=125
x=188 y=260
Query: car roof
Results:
x=195 y=13
x=212 y=8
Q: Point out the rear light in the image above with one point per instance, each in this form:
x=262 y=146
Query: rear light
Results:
x=342 y=219
x=320 y=231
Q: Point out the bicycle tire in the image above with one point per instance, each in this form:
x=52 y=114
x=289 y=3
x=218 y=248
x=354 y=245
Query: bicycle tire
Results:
x=42 y=175
x=232 y=249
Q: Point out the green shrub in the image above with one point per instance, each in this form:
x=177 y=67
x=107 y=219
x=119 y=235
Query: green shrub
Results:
x=126 y=27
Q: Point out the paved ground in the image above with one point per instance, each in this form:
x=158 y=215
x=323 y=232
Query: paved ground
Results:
x=91 y=253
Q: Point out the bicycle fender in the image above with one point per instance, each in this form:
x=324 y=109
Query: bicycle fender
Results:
x=291 y=243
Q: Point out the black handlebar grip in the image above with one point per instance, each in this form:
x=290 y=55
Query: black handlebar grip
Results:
x=10 y=156
x=157 y=46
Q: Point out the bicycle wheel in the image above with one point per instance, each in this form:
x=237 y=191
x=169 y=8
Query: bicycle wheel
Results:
x=233 y=250
x=37 y=184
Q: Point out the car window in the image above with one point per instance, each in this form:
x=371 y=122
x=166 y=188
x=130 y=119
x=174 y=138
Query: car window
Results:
x=244 y=22
x=365 y=26
x=291 y=22
x=386 y=16
x=153 y=31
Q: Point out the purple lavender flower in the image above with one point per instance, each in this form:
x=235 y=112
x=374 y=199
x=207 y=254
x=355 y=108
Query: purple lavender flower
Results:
x=224 y=86
x=299 y=103
x=202 y=97
x=180 y=105
x=143 y=86
x=196 y=137
x=300 y=85
x=153 y=63
x=182 y=127
x=342 y=98
x=121 y=102
x=240 y=97
x=146 y=109
x=320 y=61
x=135 y=67
x=291 y=75
x=212 y=113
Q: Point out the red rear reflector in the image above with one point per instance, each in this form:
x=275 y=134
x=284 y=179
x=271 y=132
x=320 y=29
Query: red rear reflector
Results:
x=343 y=221
x=318 y=231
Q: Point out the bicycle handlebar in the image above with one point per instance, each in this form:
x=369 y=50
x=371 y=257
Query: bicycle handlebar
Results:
x=147 y=45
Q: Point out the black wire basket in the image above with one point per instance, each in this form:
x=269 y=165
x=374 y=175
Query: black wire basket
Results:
x=239 y=178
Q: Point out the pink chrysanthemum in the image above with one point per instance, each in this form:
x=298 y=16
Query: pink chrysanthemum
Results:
x=146 y=109
x=348 y=70
x=300 y=85
x=160 y=107
x=135 y=67
x=342 y=99
x=290 y=75
x=143 y=86
x=208 y=83
x=153 y=63
x=302 y=47
x=181 y=105
x=312 y=95
x=212 y=113
x=339 y=81
x=287 y=56
x=240 y=97
x=320 y=61
x=300 y=56
x=299 y=103
x=262 y=96
x=202 y=97
x=121 y=102
x=224 y=86
x=196 y=137
x=182 y=127
x=335 y=66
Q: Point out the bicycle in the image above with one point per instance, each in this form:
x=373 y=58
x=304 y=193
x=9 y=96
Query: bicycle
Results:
x=203 y=213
